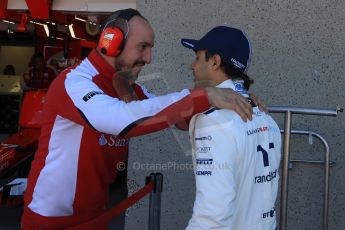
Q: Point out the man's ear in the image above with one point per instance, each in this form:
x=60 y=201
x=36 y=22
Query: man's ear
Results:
x=217 y=61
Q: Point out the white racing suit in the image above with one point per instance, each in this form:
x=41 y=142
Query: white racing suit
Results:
x=236 y=167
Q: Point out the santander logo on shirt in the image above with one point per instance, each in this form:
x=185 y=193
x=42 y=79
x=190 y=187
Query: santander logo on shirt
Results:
x=112 y=141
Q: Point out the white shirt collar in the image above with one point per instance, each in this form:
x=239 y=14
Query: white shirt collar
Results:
x=226 y=84
x=236 y=85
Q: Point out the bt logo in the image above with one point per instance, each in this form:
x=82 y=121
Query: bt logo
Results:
x=271 y=213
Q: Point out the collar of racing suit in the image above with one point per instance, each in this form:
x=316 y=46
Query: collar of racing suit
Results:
x=113 y=84
x=101 y=65
x=236 y=85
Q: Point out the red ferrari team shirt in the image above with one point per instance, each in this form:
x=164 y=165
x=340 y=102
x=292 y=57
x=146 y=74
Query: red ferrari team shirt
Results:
x=84 y=135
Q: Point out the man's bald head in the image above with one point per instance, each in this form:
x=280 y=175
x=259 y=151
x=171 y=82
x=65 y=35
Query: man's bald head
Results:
x=137 y=45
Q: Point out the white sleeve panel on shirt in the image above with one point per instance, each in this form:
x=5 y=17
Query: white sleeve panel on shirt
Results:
x=214 y=172
x=146 y=92
x=110 y=115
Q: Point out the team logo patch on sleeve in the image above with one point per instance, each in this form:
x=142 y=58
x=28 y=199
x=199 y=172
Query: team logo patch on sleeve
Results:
x=203 y=173
x=90 y=95
x=204 y=149
x=205 y=138
x=270 y=213
x=204 y=161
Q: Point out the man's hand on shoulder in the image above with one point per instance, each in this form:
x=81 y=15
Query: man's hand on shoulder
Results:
x=259 y=102
x=229 y=99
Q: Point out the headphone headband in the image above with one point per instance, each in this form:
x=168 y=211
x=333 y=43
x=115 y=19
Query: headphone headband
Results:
x=125 y=14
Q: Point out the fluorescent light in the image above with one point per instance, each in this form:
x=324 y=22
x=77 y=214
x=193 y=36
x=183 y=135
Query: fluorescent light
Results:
x=8 y=22
x=71 y=31
x=46 y=29
x=80 y=19
x=50 y=23
x=83 y=20
x=59 y=38
x=70 y=27
x=37 y=23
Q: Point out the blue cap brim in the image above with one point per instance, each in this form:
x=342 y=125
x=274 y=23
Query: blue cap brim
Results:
x=189 y=43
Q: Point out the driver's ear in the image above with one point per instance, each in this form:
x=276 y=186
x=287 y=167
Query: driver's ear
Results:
x=216 y=61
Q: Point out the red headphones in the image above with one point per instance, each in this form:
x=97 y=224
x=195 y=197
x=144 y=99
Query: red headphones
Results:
x=111 y=41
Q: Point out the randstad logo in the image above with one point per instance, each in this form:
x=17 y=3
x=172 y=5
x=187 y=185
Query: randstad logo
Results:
x=266 y=178
x=113 y=141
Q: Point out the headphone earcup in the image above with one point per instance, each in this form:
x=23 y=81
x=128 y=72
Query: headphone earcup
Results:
x=110 y=41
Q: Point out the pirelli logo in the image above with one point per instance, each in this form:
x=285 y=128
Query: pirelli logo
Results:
x=90 y=95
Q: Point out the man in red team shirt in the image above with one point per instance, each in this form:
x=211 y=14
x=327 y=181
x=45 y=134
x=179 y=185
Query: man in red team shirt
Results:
x=90 y=112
